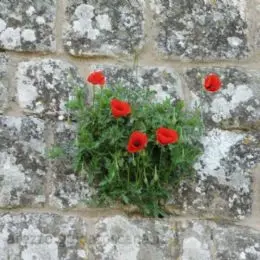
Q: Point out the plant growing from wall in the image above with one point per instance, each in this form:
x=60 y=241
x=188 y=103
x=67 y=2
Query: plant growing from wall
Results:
x=130 y=148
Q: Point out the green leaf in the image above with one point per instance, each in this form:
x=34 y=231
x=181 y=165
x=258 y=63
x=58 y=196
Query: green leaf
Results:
x=55 y=152
x=125 y=199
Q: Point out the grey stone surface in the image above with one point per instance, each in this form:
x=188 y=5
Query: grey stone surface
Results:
x=44 y=86
x=22 y=163
x=223 y=185
x=164 y=81
x=100 y=27
x=207 y=240
x=4 y=91
x=201 y=29
x=42 y=236
x=120 y=238
x=256 y=10
x=235 y=105
x=53 y=237
x=27 y=25
x=70 y=189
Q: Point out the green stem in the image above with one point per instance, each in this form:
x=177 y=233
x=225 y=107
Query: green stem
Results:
x=134 y=164
x=117 y=168
x=137 y=171
x=128 y=176
x=117 y=130
x=160 y=160
x=140 y=173
x=144 y=164
x=201 y=110
x=93 y=89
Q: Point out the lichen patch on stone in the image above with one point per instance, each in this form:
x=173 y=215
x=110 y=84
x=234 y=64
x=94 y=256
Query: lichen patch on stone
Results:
x=22 y=161
x=235 y=104
x=21 y=29
x=45 y=85
x=223 y=183
x=118 y=237
x=217 y=145
x=41 y=236
x=4 y=86
x=98 y=28
x=201 y=30
x=69 y=189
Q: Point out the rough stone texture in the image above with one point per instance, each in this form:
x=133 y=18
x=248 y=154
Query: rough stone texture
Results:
x=69 y=189
x=257 y=21
x=201 y=29
x=166 y=82
x=52 y=237
x=3 y=83
x=235 y=105
x=118 y=238
x=27 y=25
x=223 y=181
x=22 y=161
x=44 y=86
x=100 y=27
x=42 y=236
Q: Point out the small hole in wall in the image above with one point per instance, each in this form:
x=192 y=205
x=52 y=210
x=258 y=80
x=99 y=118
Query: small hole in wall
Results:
x=211 y=236
x=160 y=215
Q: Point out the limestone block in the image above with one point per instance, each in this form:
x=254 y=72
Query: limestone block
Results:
x=106 y=28
x=22 y=161
x=69 y=189
x=27 y=25
x=201 y=30
x=235 y=105
x=45 y=85
x=4 y=90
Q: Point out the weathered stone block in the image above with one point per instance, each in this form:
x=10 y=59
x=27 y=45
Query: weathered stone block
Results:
x=223 y=181
x=201 y=30
x=255 y=12
x=53 y=237
x=164 y=81
x=229 y=242
x=69 y=188
x=235 y=105
x=120 y=238
x=4 y=91
x=100 y=27
x=44 y=86
x=27 y=25
x=22 y=162
x=42 y=236
x=223 y=187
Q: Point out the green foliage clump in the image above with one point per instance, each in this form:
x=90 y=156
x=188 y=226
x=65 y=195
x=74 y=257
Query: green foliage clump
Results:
x=145 y=178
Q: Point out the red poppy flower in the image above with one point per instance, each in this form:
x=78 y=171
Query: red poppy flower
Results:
x=97 y=78
x=137 y=142
x=166 y=136
x=212 y=82
x=119 y=108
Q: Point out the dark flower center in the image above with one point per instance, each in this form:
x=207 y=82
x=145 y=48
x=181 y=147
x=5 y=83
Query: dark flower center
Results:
x=137 y=143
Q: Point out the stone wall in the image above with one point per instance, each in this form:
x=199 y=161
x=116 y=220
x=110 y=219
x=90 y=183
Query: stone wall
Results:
x=48 y=47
